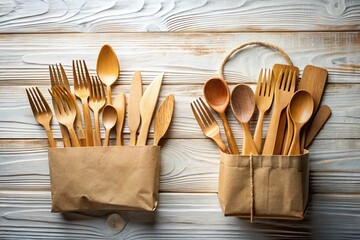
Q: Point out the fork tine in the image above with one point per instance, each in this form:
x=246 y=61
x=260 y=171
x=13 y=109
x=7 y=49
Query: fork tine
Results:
x=87 y=76
x=56 y=77
x=290 y=80
x=44 y=102
x=101 y=86
x=272 y=83
x=38 y=103
x=293 y=83
x=61 y=82
x=92 y=89
x=258 y=86
x=76 y=82
x=51 y=76
x=268 y=83
x=211 y=116
x=197 y=116
x=203 y=115
x=284 y=79
x=64 y=76
x=264 y=85
x=33 y=108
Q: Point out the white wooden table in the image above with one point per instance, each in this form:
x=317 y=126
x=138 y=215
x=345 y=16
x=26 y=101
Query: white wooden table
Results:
x=187 y=40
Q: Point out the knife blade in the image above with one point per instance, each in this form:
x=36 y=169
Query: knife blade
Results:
x=134 y=104
x=163 y=118
x=147 y=106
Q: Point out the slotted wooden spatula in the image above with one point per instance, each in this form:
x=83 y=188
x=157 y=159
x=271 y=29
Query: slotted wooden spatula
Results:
x=313 y=80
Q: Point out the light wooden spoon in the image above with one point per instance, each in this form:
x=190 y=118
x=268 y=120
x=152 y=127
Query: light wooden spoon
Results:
x=109 y=118
x=243 y=106
x=107 y=68
x=217 y=95
x=301 y=109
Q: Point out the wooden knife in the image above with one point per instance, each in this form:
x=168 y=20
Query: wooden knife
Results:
x=147 y=107
x=134 y=105
x=163 y=118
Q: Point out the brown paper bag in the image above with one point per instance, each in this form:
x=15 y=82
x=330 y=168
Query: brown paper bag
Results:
x=270 y=187
x=104 y=178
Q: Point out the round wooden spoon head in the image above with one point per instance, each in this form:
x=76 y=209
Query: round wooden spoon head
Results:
x=217 y=94
x=301 y=107
x=107 y=65
x=243 y=103
x=109 y=116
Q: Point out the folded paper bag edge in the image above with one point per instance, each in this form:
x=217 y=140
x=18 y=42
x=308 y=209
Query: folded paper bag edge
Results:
x=235 y=168
x=134 y=168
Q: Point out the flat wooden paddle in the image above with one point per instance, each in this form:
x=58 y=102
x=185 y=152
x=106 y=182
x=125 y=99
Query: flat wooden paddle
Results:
x=134 y=104
x=318 y=122
x=313 y=80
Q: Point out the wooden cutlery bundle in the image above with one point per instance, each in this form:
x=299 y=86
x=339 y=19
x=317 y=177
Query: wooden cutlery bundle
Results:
x=270 y=179
x=90 y=91
x=295 y=119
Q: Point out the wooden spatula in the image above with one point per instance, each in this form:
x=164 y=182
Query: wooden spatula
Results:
x=163 y=118
x=282 y=122
x=147 y=107
x=313 y=80
x=318 y=122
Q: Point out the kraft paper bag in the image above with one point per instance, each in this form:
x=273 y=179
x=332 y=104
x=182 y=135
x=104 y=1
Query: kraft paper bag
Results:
x=264 y=186
x=104 y=178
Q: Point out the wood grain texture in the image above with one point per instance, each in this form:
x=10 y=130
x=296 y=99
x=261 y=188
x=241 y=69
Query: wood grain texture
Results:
x=344 y=122
x=181 y=216
x=184 y=57
x=176 y=16
x=186 y=166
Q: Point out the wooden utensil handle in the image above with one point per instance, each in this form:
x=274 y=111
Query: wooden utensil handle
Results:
x=65 y=136
x=74 y=139
x=132 y=138
x=221 y=144
x=248 y=144
x=258 y=132
x=108 y=99
x=97 y=129
x=229 y=136
x=295 y=143
x=272 y=133
x=50 y=136
x=107 y=138
x=88 y=125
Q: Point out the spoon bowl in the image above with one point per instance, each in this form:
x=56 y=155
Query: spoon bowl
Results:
x=109 y=118
x=243 y=107
x=217 y=95
x=107 y=68
x=301 y=109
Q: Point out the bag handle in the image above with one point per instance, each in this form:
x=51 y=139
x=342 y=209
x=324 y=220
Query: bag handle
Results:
x=257 y=43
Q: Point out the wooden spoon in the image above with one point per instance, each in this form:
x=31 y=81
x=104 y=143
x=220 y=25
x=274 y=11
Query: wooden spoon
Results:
x=217 y=95
x=120 y=105
x=243 y=107
x=109 y=118
x=107 y=68
x=301 y=109
x=289 y=132
x=163 y=118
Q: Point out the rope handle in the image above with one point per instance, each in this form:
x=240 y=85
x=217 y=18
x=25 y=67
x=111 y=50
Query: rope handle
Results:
x=263 y=44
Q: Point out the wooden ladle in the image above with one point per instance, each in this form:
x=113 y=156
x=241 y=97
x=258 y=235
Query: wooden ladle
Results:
x=109 y=118
x=217 y=95
x=107 y=68
x=301 y=109
x=243 y=106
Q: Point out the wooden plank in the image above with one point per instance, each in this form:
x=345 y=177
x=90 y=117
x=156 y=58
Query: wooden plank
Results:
x=187 y=166
x=175 y=16
x=180 y=215
x=17 y=121
x=185 y=58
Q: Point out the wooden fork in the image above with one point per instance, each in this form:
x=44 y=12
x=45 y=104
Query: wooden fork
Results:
x=97 y=101
x=284 y=89
x=263 y=98
x=207 y=123
x=82 y=91
x=64 y=106
x=58 y=77
x=41 y=111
